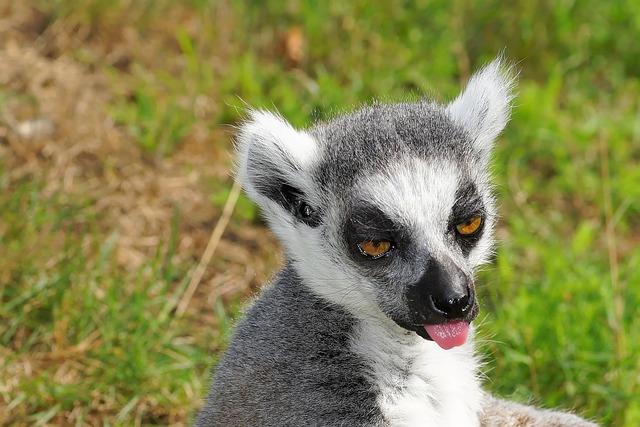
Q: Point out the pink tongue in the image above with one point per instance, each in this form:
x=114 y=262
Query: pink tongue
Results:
x=449 y=335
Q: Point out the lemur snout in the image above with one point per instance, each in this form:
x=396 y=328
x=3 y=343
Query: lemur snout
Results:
x=443 y=293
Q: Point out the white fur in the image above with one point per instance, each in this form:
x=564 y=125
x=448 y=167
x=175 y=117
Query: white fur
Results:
x=272 y=130
x=418 y=194
x=334 y=280
x=270 y=136
x=419 y=384
x=483 y=108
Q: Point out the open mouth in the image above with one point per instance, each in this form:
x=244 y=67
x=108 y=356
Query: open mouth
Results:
x=446 y=335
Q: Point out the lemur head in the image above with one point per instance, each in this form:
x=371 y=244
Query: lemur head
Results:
x=386 y=211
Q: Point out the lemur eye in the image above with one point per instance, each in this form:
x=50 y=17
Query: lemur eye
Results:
x=374 y=249
x=304 y=210
x=469 y=227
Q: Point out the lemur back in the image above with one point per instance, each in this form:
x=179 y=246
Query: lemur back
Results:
x=384 y=215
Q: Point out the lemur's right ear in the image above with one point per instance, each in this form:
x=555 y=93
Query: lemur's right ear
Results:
x=484 y=107
x=273 y=166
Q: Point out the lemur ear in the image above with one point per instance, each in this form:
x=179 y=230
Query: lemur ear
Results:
x=483 y=108
x=274 y=160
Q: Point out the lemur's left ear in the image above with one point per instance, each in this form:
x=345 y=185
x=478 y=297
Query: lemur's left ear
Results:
x=483 y=108
x=273 y=162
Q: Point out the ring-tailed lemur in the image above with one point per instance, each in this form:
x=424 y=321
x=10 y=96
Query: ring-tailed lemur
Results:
x=384 y=215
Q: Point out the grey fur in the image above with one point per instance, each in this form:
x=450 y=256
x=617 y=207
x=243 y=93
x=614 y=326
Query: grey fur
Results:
x=342 y=338
x=500 y=413
x=284 y=364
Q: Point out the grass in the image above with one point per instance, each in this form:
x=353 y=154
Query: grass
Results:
x=88 y=291
x=578 y=266
x=97 y=339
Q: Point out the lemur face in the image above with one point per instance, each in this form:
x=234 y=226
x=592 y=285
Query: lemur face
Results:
x=419 y=235
x=387 y=211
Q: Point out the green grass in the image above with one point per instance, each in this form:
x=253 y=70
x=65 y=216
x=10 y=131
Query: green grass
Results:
x=64 y=298
x=565 y=311
x=561 y=301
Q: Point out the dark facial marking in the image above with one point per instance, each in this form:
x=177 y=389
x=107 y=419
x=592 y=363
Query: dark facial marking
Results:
x=468 y=205
x=294 y=201
x=367 y=223
x=442 y=294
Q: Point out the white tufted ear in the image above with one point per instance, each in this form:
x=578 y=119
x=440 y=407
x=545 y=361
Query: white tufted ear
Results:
x=483 y=108
x=272 y=156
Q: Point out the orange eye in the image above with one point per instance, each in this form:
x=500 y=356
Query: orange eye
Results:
x=375 y=249
x=469 y=227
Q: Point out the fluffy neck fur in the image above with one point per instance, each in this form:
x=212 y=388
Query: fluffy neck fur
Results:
x=418 y=383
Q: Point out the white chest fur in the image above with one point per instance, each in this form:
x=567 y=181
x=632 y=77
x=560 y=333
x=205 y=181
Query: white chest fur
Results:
x=419 y=384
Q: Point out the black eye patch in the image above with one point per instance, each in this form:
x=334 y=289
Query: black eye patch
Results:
x=468 y=205
x=294 y=201
x=366 y=223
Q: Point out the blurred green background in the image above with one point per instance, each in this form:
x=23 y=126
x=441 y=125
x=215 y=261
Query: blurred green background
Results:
x=102 y=101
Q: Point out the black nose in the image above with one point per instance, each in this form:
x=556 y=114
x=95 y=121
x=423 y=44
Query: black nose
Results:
x=452 y=307
x=443 y=293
